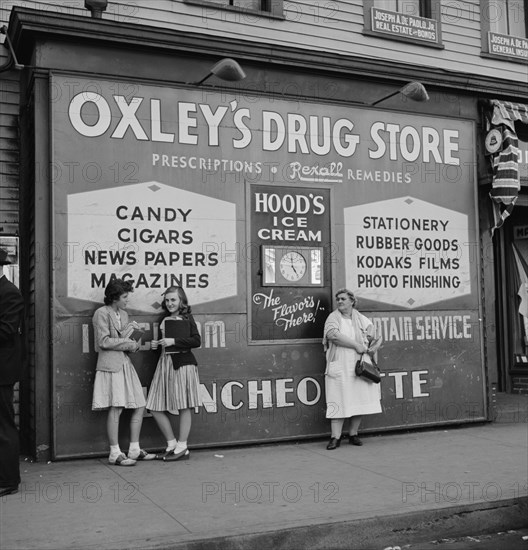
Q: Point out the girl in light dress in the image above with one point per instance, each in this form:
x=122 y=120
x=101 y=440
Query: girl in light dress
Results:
x=116 y=385
x=175 y=385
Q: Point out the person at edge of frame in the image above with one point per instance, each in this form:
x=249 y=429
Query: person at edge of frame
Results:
x=11 y=364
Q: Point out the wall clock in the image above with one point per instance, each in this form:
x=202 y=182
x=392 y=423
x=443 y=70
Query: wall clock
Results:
x=292 y=266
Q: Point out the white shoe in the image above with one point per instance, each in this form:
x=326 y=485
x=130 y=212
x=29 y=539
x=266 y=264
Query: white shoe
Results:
x=141 y=455
x=121 y=460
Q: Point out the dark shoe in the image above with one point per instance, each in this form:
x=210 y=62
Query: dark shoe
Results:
x=183 y=455
x=164 y=454
x=4 y=491
x=333 y=443
x=354 y=440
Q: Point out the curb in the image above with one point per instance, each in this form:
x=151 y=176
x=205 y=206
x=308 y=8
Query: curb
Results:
x=373 y=533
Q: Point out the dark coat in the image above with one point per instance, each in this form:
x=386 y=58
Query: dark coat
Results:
x=11 y=317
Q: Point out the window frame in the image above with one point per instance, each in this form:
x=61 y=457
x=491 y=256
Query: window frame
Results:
x=485 y=32
x=271 y=8
x=430 y=7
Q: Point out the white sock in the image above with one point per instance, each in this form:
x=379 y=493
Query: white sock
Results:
x=115 y=450
x=134 y=447
x=171 y=444
x=180 y=446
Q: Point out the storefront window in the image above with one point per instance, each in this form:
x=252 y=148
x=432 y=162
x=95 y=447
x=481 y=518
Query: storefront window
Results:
x=11 y=270
x=512 y=289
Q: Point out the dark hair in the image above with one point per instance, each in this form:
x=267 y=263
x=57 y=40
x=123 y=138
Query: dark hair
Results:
x=184 y=307
x=115 y=289
x=350 y=294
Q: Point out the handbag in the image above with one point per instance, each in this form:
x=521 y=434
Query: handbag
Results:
x=366 y=368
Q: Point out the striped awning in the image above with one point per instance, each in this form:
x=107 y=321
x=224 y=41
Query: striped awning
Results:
x=505 y=160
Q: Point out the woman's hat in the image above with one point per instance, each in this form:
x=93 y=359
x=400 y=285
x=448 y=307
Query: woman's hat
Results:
x=4 y=257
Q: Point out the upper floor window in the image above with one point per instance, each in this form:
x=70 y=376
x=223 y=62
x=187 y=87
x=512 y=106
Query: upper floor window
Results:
x=505 y=29
x=416 y=21
x=418 y=8
x=508 y=17
x=247 y=4
x=266 y=7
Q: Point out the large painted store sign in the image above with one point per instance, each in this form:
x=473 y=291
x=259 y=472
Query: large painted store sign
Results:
x=260 y=208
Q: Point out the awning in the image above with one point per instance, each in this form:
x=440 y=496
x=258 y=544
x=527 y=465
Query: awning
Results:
x=502 y=145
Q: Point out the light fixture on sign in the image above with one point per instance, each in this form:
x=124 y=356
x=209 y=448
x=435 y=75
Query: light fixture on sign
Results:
x=96 y=7
x=413 y=90
x=226 y=69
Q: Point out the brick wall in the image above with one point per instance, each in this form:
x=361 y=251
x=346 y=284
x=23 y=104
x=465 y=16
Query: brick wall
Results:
x=520 y=383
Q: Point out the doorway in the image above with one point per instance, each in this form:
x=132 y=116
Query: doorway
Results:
x=511 y=275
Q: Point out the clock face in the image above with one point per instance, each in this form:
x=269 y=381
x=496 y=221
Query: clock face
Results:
x=292 y=266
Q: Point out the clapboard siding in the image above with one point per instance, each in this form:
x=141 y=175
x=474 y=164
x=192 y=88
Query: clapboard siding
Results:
x=9 y=150
x=6 y=120
x=333 y=26
x=9 y=141
x=9 y=184
x=9 y=108
x=9 y=156
x=8 y=193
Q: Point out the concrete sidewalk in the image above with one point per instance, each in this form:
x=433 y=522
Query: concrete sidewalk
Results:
x=396 y=489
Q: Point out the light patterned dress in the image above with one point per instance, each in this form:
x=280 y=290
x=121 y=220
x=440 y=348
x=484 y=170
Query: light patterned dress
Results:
x=121 y=388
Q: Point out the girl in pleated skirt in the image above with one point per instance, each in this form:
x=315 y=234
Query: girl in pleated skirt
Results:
x=175 y=385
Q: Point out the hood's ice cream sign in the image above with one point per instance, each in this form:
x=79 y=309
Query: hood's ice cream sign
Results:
x=201 y=124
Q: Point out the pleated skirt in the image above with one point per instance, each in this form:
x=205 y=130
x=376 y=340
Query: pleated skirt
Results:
x=173 y=390
x=118 y=389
